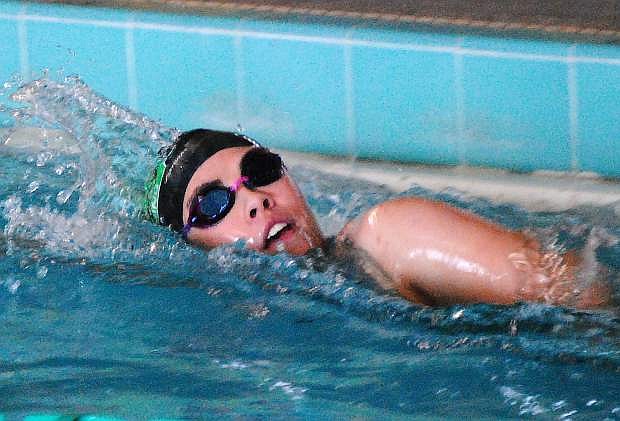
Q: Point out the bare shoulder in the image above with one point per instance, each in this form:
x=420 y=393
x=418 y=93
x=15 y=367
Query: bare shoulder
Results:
x=384 y=226
x=380 y=239
x=392 y=215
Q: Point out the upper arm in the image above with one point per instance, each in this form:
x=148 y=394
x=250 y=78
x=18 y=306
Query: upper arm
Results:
x=435 y=250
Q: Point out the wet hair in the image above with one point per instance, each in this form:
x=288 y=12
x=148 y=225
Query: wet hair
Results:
x=166 y=187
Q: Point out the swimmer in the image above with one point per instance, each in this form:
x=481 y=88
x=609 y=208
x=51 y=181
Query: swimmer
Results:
x=218 y=187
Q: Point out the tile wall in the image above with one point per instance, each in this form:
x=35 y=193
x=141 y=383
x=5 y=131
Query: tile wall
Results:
x=349 y=89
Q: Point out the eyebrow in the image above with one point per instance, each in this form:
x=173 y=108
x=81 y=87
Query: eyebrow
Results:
x=203 y=187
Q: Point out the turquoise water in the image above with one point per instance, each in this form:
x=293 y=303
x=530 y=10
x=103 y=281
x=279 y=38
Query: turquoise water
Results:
x=103 y=313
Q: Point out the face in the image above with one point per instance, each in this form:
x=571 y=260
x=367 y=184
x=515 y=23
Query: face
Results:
x=269 y=218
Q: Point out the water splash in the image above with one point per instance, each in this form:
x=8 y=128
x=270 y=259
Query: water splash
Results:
x=113 y=144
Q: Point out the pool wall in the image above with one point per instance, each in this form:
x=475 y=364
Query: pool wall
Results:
x=339 y=88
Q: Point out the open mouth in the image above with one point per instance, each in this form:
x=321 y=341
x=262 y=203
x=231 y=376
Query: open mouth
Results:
x=276 y=232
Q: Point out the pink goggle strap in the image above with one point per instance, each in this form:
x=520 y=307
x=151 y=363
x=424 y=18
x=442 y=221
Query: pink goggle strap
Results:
x=238 y=183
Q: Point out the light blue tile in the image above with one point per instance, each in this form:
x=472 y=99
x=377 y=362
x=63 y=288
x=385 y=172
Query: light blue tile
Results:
x=9 y=51
x=598 y=51
x=186 y=80
x=284 y=29
x=405 y=105
x=94 y=53
x=183 y=22
x=516 y=114
x=598 y=90
x=294 y=95
x=404 y=37
x=533 y=47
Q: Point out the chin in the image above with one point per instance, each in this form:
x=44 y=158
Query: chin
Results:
x=292 y=249
x=299 y=251
x=303 y=246
x=295 y=241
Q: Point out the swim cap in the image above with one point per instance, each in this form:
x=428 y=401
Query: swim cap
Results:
x=165 y=189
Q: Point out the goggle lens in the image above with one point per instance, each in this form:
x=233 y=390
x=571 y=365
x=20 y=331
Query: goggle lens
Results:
x=212 y=206
x=261 y=167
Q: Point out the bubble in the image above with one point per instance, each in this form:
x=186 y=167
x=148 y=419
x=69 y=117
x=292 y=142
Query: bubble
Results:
x=558 y=405
x=339 y=280
x=63 y=196
x=12 y=284
x=457 y=314
x=42 y=158
x=258 y=311
x=567 y=415
x=110 y=178
x=235 y=365
x=289 y=389
x=32 y=187
x=42 y=272
x=531 y=406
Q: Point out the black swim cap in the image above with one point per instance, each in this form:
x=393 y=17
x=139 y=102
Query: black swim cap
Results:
x=178 y=162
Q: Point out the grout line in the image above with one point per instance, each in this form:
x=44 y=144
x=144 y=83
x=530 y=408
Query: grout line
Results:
x=459 y=93
x=349 y=102
x=130 y=58
x=573 y=108
x=312 y=39
x=22 y=36
x=514 y=56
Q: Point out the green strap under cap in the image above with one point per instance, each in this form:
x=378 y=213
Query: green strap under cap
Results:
x=150 y=205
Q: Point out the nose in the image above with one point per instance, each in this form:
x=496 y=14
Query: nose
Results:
x=256 y=203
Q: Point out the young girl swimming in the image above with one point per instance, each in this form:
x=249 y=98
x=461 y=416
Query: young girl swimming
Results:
x=219 y=187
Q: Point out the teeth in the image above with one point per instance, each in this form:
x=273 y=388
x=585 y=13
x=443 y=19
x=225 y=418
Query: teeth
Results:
x=275 y=230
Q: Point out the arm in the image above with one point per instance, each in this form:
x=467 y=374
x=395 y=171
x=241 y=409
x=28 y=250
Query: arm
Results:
x=437 y=254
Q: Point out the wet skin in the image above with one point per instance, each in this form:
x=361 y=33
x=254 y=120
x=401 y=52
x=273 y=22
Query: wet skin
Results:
x=430 y=252
x=255 y=211
x=436 y=254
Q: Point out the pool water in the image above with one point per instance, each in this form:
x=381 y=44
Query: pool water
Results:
x=104 y=313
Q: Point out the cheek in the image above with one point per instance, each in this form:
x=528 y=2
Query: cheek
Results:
x=286 y=194
x=226 y=232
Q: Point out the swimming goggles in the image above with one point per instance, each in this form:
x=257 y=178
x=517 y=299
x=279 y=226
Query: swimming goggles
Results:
x=259 y=167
